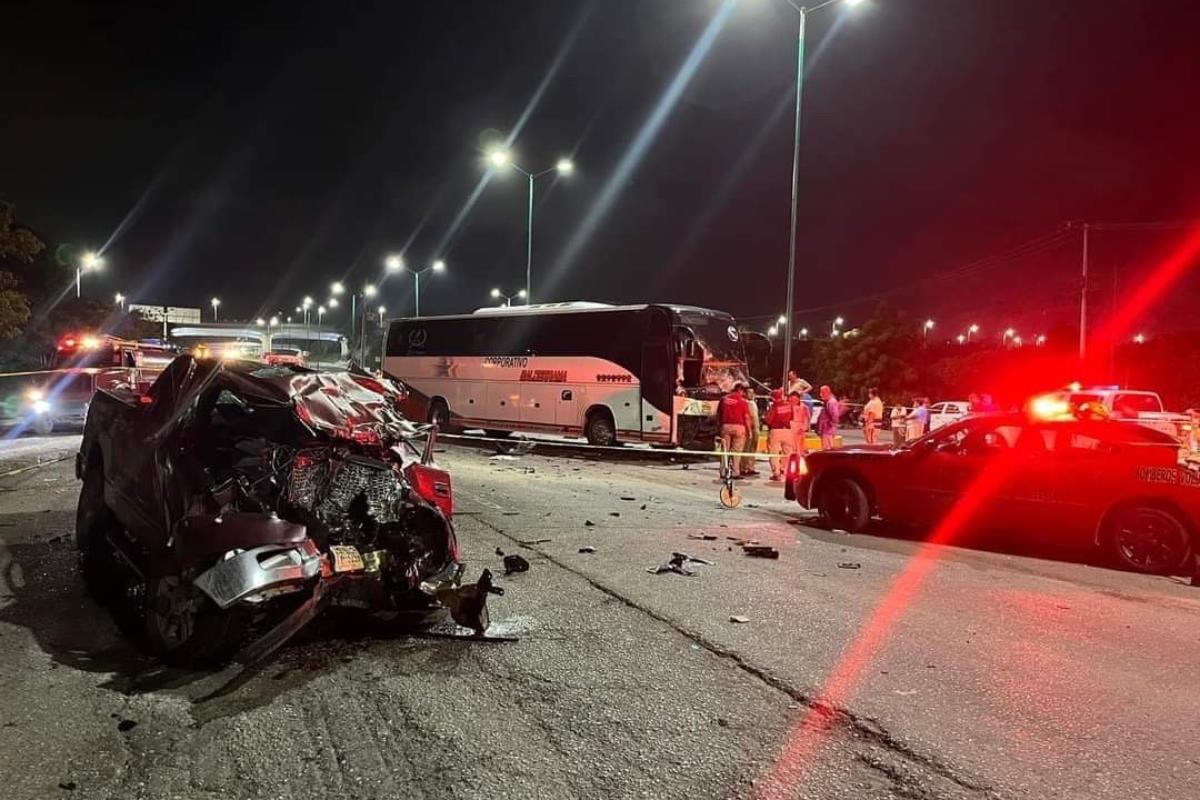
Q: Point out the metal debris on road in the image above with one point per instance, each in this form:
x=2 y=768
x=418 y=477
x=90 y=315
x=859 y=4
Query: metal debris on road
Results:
x=626 y=497
x=738 y=619
x=760 y=551
x=849 y=565
x=678 y=565
x=587 y=523
x=515 y=563
x=707 y=537
x=587 y=548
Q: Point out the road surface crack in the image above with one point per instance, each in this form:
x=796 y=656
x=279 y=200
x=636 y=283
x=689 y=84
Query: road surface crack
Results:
x=865 y=728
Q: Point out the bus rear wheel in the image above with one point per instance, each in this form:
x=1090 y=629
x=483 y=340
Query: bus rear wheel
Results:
x=600 y=429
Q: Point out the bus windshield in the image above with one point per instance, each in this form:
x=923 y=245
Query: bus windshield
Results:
x=720 y=347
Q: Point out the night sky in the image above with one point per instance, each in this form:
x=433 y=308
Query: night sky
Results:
x=258 y=151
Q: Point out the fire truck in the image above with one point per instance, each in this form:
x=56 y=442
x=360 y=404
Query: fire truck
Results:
x=45 y=400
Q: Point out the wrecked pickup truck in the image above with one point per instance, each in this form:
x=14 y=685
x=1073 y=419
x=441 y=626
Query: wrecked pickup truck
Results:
x=233 y=497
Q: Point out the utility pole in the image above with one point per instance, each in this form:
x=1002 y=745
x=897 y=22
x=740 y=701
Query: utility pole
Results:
x=1083 y=289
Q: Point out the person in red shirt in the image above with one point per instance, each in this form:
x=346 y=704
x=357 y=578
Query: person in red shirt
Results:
x=734 y=413
x=781 y=439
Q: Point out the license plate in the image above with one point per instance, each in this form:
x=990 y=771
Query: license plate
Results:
x=346 y=558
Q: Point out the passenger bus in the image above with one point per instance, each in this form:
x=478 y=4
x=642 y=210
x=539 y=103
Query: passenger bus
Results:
x=651 y=373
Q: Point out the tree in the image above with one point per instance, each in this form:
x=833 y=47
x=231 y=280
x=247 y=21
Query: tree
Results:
x=881 y=353
x=18 y=245
x=16 y=242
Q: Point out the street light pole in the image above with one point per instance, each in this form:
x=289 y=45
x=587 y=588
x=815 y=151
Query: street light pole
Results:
x=791 y=278
x=500 y=158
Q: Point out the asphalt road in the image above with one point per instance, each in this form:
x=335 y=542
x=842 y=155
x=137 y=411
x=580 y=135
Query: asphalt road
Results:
x=868 y=667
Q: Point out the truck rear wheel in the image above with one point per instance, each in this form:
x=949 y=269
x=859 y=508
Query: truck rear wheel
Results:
x=844 y=504
x=1147 y=539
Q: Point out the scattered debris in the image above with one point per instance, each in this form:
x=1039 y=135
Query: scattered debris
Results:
x=707 y=537
x=849 y=565
x=502 y=457
x=678 y=565
x=499 y=552
x=738 y=619
x=627 y=497
x=535 y=541
x=760 y=551
x=587 y=548
x=510 y=513
x=126 y=725
x=614 y=513
x=68 y=785
x=515 y=563
x=587 y=523
x=724 y=723
x=643 y=508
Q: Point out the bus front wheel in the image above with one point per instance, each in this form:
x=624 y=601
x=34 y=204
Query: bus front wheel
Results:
x=600 y=429
x=439 y=413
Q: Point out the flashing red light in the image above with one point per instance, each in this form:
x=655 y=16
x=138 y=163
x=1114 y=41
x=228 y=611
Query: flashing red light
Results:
x=433 y=484
x=797 y=467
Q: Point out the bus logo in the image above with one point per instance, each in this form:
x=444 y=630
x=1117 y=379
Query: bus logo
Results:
x=417 y=337
x=733 y=333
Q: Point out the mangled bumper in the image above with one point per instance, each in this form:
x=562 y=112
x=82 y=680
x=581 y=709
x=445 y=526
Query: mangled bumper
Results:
x=259 y=571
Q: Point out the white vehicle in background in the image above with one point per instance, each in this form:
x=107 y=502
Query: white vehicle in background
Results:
x=947 y=411
x=1130 y=405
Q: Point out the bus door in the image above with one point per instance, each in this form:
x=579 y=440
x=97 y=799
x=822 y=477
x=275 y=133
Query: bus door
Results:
x=657 y=379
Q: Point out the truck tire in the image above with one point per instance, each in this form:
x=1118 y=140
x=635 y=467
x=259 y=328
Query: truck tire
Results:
x=184 y=628
x=844 y=504
x=1147 y=539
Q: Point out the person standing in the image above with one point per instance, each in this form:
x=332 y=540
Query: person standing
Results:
x=831 y=414
x=747 y=461
x=898 y=418
x=734 y=414
x=781 y=439
x=918 y=418
x=801 y=422
x=797 y=384
x=872 y=416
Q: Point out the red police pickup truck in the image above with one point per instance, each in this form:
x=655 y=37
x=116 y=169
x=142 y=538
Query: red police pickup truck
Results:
x=1118 y=486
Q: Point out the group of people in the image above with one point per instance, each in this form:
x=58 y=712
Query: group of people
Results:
x=788 y=420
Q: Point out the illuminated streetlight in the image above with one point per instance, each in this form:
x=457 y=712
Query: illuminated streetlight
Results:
x=260 y=322
x=508 y=298
x=393 y=263
x=961 y=338
x=1040 y=340
x=925 y=329
x=972 y=329
x=215 y=303
x=119 y=299
x=772 y=331
x=88 y=262
x=1139 y=338
x=369 y=290
x=332 y=302
x=804 y=333
x=382 y=311
x=437 y=266
x=336 y=287
x=1017 y=341
x=499 y=158
x=791 y=277
x=782 y=320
